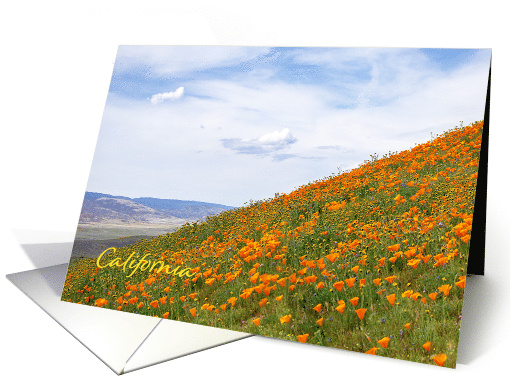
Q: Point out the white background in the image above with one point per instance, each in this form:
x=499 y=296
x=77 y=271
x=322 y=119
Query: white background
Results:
x=56 y=65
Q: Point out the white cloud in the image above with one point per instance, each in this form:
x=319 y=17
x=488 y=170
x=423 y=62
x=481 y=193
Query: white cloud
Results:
x=172 y=96
x=266 y=144
x=277 y=138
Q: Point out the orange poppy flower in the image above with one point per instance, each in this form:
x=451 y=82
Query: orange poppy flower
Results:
x=415 y=296
x=350 y=282
x=414 y=263
x=355 y=269
x=256 y=321
x=246 y=294
x=263 y=302
x=285 y=319
x=440 y=359
x=426 y=346
x=391 y=299
x=394 y=247
x=154 y=304
x=232 y=301
x=279 y=298
x=320 y=285
x=341 y=306
x=408 y=325
x=310 y=279
x=332 y=257
x=320 y=321
x=223 y=307
x=193 y=311
x=361 y=313
x=354 y=301
x=303 y=338
x=317 y=308
x=433 y=296
x=445 y=289
x=133 y=300
x=377 y=281
x=384 y=342
x=465 y=238
x=338 y=285
x=100 y=302
x=165 y=315
x=371 y=351
x=390 y=279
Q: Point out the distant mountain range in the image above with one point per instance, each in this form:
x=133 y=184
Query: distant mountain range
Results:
x=105 y=208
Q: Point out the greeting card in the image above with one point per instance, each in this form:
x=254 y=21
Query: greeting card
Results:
x=328 y=196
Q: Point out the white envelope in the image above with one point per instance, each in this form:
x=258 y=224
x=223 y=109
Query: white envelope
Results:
x=123 y=341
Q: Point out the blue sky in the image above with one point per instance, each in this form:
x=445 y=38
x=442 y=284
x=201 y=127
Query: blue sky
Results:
x=230 y=124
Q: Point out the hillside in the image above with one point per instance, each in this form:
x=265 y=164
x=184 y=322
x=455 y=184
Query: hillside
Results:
x=373 y=260
x=105 y=208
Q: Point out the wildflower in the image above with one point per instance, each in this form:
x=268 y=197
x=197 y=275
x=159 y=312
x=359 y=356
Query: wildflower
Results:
x=350 y=282
x=339 y=285
x=361 y=313
x=439 y=359
x=263 y=302
x=285 y=319
x=303 y=338
x=445 y=289
x=384 y=342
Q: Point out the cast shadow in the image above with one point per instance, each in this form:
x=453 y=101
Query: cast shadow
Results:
x=476 y=312
x=50 y=254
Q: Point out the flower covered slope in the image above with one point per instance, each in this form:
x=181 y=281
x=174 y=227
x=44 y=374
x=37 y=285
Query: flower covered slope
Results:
x=373 y=260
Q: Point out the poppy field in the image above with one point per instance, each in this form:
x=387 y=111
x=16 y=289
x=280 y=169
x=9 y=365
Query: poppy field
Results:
x=372 y=260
